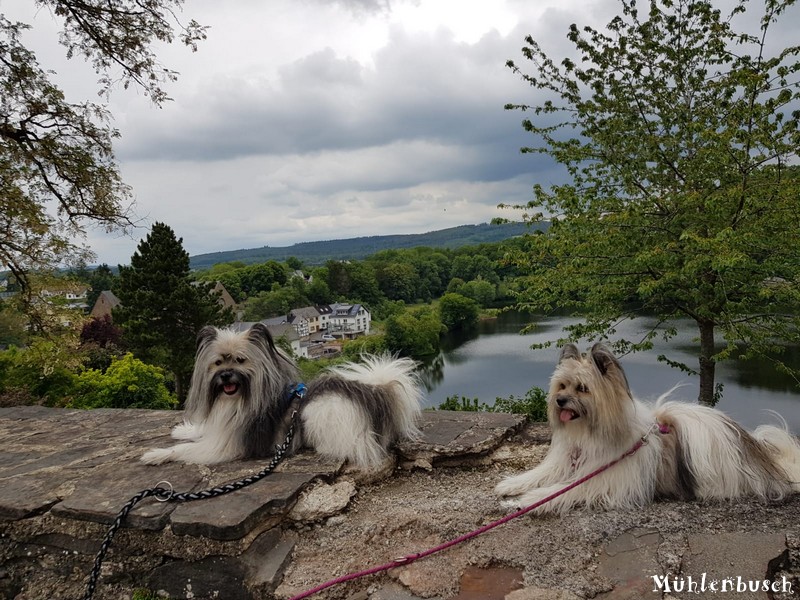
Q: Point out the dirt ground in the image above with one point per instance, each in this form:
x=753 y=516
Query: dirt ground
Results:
x=415 y=510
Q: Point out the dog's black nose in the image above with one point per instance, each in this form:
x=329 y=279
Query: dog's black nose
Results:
x=561 y=401
x=226 y=375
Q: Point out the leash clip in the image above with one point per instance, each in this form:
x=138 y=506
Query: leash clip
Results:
x=166 y=494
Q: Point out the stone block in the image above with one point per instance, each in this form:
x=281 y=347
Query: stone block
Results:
x=448 y=434
x=232 y=516
x=720 y=556
x=212 y=577
x=322 y=501
x=488 y=583
x=99 y=495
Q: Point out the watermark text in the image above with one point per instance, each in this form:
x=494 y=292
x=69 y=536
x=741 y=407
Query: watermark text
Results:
x=704 y=584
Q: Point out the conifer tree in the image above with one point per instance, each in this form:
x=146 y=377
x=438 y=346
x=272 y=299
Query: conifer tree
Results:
x=161 y=308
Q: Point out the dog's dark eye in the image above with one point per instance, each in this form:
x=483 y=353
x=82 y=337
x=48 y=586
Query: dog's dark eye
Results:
x=239 y=359
x=582 y=388
x=218 y=362
x=561 y=386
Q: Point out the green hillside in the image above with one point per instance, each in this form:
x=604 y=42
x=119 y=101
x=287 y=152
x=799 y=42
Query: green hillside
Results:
x=316 y=253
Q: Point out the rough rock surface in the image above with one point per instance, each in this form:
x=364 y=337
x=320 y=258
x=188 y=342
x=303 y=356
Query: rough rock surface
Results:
x=64 y=474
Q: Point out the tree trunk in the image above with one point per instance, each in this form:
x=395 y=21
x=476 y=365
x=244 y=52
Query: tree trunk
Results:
x=707 y=363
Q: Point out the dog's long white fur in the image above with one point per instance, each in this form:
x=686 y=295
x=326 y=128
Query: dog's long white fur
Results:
x=217 y=426
x=358 y=443
x=703 y=454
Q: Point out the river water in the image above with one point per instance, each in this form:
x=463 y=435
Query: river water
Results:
x=493 y=360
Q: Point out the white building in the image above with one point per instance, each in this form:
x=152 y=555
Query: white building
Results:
x=349 y=320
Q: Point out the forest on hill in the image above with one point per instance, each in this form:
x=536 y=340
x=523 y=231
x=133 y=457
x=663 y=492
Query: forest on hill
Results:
x=317 y=253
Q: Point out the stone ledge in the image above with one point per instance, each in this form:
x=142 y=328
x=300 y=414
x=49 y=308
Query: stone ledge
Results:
x=66 y=473
x=452 y=436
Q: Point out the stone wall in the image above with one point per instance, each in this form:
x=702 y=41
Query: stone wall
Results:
x=65 y=474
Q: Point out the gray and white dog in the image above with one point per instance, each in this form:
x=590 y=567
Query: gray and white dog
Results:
x=240 y=403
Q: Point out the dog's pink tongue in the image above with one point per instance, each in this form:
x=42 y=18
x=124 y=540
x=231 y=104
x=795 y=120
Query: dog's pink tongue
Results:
x=230 y=388
x=566 y=415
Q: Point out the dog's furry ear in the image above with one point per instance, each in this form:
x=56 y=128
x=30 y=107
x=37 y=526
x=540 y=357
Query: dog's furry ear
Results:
x=609 y=366
x=569 y=351
x=604 y=359
x=259 y=334
x=206 y=335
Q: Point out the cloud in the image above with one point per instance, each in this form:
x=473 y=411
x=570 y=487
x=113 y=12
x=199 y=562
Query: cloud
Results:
x=420 y=87
x=307 y=120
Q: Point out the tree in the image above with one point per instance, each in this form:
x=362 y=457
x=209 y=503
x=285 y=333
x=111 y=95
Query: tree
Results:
x=318 y=291
x=353 y=281
x=457 y=311
x=398 y=281
x=55 y=153
x=101 y=342
x=161 y=311
x=677 y=131
x=479 y=290
x=262 y=277
x=12 y=326
x=273 y=304
x=294 y=263
x=414 y=333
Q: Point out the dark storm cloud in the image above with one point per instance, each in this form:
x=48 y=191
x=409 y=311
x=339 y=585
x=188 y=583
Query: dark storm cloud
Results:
x=421 y=88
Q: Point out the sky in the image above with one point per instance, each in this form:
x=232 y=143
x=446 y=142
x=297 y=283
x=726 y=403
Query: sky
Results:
x=305 y=120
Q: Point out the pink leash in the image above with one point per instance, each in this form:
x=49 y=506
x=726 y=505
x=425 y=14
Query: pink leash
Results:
x=410 y=558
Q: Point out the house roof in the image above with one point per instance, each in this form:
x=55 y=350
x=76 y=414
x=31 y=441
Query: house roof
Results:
x=346 y=310
x=104 y=304
x=277 y=330
x=307 y=312
x=224 y=295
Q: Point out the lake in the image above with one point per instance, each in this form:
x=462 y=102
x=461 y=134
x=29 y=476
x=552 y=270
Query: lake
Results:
x=493 y=360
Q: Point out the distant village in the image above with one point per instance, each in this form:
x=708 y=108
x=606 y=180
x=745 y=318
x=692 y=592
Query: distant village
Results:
x=311 y=331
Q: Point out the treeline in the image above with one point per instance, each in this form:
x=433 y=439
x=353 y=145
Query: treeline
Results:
x=318 y=253
x=418 y=275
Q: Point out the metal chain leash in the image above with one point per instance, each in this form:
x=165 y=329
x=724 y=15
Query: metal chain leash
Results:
x=163 y=494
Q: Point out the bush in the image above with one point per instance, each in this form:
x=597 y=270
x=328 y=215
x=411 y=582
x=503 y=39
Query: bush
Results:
x=414 y=333
x=367 y=344
x=39 y=374
x=457 y=311
x=127 y=383
x=533 y=404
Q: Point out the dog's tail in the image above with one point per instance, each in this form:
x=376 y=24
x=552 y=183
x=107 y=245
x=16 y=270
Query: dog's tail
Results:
x=783 y=448
x=398 y=377
x=356 y=411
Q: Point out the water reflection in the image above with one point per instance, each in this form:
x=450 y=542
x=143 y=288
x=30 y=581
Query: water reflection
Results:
x=494 y=359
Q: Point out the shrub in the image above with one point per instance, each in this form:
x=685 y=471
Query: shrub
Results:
x=533 y=404
x=40 y=374
x=127 y=383
x=367 y=344
x=457 y=311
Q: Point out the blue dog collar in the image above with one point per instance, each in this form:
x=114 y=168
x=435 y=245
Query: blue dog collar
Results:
x=297 y=391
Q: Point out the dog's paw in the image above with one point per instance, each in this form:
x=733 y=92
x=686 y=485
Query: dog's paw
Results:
x=510 y=505
x=157 y=456
x=512 y=486
x=184 y=431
